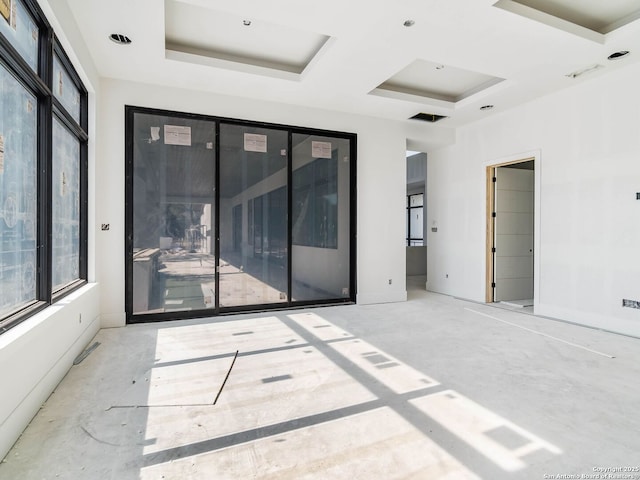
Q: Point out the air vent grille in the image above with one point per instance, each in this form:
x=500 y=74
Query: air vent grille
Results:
x=428 y=117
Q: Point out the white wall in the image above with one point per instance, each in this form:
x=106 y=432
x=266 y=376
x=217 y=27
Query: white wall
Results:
x=41 y=349
x=381 y=181
x=588 y=139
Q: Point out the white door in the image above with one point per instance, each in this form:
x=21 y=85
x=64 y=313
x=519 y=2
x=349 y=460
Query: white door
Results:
x=514 y=220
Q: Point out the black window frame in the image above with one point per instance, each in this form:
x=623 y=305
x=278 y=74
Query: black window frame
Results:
x=409 y=221
x=39 y=83
x=129 y=121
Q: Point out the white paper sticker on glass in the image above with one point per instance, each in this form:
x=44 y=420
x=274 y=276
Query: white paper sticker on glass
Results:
x=155 y=134
x=177 y=135
x=254 y=142
x=321 y=149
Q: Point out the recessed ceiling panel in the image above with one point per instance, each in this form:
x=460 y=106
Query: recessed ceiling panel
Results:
x=232 y=39
x=602 y=16
x=435 y=81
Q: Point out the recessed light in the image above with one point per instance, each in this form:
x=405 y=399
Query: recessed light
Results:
x=409 y=23
x=246 y=23
x=486 y=107
x=119 y=39
x=618 y=55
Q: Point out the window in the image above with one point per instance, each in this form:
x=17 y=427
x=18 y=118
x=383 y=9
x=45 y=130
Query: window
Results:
x=65 y=90
x=43 y=157
x=19 y=27
x=18 y=184
x=415 y=219
x=65 y=213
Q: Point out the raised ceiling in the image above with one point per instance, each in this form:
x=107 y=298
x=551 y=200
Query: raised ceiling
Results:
x=357 y=56
x=602 y=16
x=436 y=81
x=196 y=34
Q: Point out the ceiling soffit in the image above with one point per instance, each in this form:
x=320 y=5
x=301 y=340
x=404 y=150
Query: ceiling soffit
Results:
x=209 y=37
x=436 y=84
x=591 y=19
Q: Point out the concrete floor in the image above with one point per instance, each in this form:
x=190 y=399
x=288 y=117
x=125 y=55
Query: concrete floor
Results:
x=434 y=388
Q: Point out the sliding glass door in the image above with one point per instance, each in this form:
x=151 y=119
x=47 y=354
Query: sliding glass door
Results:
x=321 y=208
x=253 y=216
x=172 y=250
x=226 y=215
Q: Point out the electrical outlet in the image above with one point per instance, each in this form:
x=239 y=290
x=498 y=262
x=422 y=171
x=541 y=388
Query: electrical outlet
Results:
x=79 y=318
x=390 y=281
x=630 y=303
x=446 y=275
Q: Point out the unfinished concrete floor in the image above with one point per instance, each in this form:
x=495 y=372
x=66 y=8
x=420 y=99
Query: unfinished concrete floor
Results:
x=434 y=388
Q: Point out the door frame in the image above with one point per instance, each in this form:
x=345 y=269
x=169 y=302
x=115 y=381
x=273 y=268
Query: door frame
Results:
x=490 y=168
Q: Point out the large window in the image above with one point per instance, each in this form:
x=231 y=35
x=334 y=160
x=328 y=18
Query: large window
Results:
x=43 y=156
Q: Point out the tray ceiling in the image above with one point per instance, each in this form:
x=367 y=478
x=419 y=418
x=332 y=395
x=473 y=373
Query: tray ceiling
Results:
x=437 y=81
x=205 y=35
x=362 y=56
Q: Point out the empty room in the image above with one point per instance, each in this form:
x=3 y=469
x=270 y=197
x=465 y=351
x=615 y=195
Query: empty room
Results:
x=319 y=239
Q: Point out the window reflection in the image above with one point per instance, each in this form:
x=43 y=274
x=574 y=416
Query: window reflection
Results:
x=320 y=221
x=253 y=216
x=173 y=216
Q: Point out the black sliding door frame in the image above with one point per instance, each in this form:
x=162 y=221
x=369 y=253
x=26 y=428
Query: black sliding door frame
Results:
x=133 y=317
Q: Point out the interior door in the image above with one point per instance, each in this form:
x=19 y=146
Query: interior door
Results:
x=513 y=230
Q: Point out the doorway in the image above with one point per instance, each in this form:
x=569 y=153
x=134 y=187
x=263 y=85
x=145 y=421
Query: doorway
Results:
x=416 y=209
x=511 y=233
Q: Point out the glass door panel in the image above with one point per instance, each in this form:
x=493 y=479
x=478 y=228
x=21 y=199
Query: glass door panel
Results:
x=320 y=257
x=253 y=216
x=173 y=254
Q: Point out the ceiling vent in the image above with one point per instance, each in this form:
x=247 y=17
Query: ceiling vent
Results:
x=428 y=117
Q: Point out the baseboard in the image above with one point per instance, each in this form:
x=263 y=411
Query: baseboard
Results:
x=622 y=326
x=113 y=320
x=381 y=297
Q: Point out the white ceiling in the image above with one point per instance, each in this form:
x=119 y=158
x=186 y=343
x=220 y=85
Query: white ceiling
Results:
x=335 y=54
